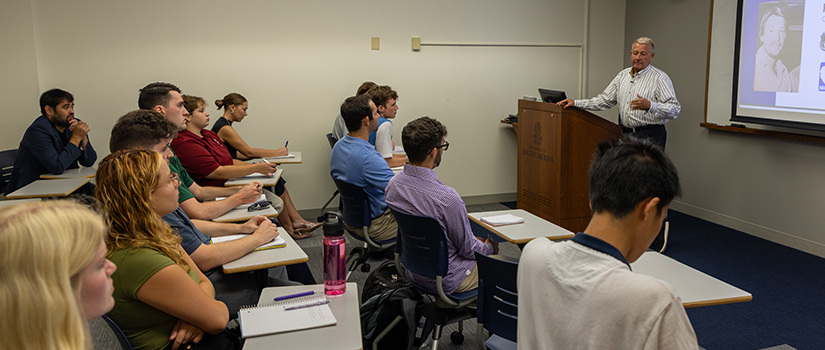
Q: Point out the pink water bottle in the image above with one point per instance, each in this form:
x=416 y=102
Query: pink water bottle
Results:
x=335 y=254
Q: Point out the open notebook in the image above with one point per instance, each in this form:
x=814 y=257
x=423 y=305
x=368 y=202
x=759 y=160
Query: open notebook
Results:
x=278 y=242
x=306 y=312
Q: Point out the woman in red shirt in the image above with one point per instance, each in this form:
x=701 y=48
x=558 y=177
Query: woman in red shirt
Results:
x=207 y=160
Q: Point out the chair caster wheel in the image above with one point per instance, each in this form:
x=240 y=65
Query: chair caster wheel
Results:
x=365 y=268
x=456 y=337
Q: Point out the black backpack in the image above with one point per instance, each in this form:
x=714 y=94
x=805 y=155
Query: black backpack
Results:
x=390 y=303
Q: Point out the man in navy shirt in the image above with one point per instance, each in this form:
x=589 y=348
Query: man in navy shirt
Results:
x=54 y=142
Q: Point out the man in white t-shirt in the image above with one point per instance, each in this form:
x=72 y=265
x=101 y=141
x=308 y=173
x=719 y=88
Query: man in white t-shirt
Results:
x=582 y=294
x=386 y=99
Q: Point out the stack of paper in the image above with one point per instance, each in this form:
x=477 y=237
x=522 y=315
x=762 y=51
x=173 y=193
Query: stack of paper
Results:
x=505 y=219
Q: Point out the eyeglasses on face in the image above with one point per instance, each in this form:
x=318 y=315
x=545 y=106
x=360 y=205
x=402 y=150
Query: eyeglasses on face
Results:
x=445 y=146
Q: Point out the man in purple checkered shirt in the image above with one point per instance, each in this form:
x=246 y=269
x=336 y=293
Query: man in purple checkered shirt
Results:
x=416 y=190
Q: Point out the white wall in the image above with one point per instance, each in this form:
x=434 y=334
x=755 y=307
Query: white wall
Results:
x=296 y=62
x=19 y=90
x=768 y=187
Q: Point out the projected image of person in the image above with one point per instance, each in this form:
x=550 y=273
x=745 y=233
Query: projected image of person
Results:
x=771 y=74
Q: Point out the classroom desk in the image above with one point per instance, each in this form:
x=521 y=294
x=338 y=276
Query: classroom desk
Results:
x=275 y=160
x=49 y=188
x=263 y=259
x=345 y=335
x=240 y=213
x=265 y=180
x=694 y=287
x=10 y=202
x=532 y=227
x=78 y=173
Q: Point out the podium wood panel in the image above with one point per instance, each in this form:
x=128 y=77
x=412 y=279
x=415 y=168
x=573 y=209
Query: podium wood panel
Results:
x=555 y=146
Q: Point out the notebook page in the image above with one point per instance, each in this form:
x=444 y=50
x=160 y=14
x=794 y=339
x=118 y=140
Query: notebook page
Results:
x=273 y=318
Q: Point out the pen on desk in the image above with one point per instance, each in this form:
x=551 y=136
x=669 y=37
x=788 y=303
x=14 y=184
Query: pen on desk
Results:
x=290 y=296
x=307 y=305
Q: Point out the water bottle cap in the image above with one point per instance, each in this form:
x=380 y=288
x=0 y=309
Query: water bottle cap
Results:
x=333 y=225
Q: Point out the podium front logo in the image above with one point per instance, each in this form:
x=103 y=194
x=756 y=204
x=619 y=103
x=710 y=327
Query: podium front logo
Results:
x=537 y=133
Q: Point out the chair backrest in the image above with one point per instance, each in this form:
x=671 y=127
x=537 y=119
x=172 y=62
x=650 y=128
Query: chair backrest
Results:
x=497 y=296
x=332 y=140
x=355 y=205
x=421 y=244
x=7 y=159
x=107 y=335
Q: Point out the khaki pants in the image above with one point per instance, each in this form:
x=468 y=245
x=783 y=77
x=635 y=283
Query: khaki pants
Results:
x=470 y=282
x=381 y=228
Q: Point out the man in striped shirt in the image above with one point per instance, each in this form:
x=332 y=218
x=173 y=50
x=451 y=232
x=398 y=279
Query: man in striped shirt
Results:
x=643 y=93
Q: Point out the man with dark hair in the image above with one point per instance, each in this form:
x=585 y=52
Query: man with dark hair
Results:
x=593 y=297
x=144 y=129
x=339 y=128
x=417 y=191
x=54 y=142
x=197 y=201
x=355 y=161
x=385 y=99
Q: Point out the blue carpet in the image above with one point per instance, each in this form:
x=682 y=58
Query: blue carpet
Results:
x=787 y=287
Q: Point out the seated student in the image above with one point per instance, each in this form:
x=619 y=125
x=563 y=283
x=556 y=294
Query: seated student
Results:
x=142 y=129
x=417 y=191
x=384 y=98
x=235 y=109
x=162 y=299
x=198 y=202
x=581 y=294
x=208 y=161
x=355 y=161
x=54 y=142
x=339 y=128
x=52 y=286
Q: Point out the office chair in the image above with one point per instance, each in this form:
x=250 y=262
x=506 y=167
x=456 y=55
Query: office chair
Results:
x=7 y=159
x=355 y=209
x=332 y=140
x=421 y=247
x=106 y=335
x=497 y=302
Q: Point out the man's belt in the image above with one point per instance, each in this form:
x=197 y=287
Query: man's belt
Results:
x=639 y=129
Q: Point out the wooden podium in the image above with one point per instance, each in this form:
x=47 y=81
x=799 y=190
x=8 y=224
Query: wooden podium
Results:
x=555 y=146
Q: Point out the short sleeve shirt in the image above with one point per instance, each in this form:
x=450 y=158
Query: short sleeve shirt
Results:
x=145 y=326
x=185 y=180
x=200 y=156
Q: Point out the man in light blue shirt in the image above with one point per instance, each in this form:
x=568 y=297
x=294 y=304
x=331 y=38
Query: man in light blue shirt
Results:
x=354 y=160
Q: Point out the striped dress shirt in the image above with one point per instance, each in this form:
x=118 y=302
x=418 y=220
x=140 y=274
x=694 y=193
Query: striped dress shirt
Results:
x=650 y=83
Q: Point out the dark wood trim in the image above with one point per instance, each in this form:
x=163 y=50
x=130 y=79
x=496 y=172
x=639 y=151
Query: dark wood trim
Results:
x=771 y=133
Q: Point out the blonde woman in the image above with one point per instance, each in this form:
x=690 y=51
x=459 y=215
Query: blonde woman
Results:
x=162 y=300
x=55 y=275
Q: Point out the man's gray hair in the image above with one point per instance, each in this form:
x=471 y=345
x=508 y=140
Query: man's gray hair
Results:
x=644 y=41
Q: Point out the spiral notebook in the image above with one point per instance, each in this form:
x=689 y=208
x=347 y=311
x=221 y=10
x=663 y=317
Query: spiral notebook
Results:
x=311 y=312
